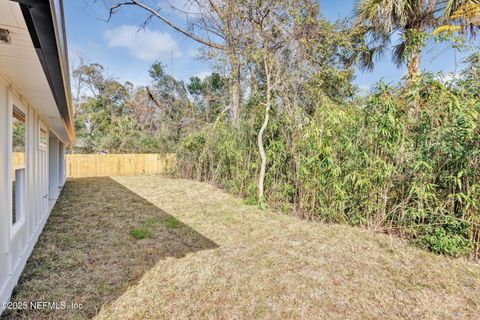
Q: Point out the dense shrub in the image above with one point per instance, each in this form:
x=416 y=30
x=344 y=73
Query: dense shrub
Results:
x=404 y=161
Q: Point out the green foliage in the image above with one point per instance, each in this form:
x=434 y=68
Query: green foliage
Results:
x=113 y=117
x=413 y=20
x=149 y=225
x=140 y=233
x=171 y=223
x=441 y=242
x=405 y=161
x=208 y=95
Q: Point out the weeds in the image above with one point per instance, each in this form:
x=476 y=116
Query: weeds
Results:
x=171 y=223
x=140 y=234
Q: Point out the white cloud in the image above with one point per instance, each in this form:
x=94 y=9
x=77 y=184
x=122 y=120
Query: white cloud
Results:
x=145 y=44
x=202 y=75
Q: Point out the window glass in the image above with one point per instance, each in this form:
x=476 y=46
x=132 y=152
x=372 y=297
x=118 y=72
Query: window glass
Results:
x=43 y=138
x=18 y=139
x=18 y=163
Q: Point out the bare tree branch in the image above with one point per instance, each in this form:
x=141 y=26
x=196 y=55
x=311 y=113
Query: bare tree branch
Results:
x=155 y=13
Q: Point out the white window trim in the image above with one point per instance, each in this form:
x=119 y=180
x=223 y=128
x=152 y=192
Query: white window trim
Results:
x=16 y=227
x=41 y=146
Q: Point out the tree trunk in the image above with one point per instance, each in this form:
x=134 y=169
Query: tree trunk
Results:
x=253 y=81
x=261 y=149
x=236 y=93
x=413 y=66
x=413 y=73
x=263 y=156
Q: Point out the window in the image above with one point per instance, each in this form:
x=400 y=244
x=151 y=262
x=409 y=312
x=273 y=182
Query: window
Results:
x=18 y=164
x=43 y=138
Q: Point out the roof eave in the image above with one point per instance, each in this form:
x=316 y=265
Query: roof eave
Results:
x=48 y=35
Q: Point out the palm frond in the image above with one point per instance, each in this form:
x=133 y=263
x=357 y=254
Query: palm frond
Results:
x=399 y=53
x=376 y=45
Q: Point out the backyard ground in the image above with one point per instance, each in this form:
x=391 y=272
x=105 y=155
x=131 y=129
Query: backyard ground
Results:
x=158 y=248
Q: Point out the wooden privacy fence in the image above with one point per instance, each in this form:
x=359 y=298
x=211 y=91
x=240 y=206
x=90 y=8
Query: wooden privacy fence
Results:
x=18 y=158
x=104 y=165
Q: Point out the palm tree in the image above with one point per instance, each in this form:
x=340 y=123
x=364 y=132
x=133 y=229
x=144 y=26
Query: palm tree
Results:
x=411 y=19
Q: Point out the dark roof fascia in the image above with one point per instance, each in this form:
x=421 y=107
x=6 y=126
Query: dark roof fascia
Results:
x=40 y=24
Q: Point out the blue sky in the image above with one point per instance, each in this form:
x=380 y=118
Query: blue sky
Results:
x=126 y=52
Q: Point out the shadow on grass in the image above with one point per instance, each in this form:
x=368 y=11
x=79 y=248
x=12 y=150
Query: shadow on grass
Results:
x=99 y=240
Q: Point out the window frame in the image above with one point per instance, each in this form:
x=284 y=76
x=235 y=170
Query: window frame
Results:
x=40 y=145
x=15 y=228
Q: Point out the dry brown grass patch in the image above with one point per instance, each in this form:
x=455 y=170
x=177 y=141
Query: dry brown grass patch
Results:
x=258 y=264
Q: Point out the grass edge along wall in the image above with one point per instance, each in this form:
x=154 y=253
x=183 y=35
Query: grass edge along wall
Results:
x=35 y=109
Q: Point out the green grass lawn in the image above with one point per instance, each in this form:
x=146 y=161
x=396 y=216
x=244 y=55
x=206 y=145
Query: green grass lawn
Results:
x=158 y=248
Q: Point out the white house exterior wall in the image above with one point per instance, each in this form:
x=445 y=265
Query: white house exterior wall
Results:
x=17 y=242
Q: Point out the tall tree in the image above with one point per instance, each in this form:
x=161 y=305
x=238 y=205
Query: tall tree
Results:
x=412 y=19
x=103 y=119
x=279 y=33
x=208 y=95
x=212 y=23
